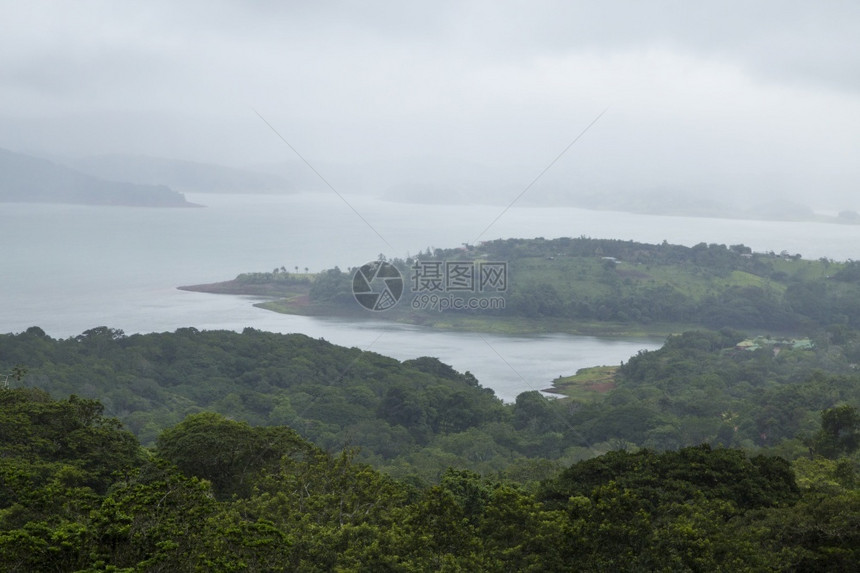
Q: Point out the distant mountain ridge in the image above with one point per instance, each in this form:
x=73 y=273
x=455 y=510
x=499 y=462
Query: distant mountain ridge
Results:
x=185 y=176
x=28 y=179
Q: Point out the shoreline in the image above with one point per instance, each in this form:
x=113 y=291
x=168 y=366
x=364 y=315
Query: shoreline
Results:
x=294 y=299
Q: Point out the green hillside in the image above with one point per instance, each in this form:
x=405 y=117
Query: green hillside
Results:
x=416 y=417
x=596 y=286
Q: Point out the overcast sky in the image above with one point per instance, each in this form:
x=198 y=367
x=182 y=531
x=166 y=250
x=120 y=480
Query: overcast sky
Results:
x=734 y=97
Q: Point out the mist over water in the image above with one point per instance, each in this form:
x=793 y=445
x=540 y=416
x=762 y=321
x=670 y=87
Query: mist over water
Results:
x=71 y=268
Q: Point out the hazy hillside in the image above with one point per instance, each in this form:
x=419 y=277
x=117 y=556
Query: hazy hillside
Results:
x=597 y=286
x=188 y=176
x=28 y=179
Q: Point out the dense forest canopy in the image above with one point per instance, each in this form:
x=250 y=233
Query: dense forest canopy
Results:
x=77 y=493
x=416 y=417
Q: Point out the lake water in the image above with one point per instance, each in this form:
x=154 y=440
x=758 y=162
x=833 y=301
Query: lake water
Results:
x=70 y=268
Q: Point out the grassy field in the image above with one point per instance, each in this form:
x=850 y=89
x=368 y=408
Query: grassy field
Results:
x=590 y=277
x=586 y=385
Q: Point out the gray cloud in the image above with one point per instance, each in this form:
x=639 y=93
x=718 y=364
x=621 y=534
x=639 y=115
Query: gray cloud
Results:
x=729 y=96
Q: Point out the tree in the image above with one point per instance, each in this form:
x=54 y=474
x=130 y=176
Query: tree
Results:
x=231 y=455
x=839 y=433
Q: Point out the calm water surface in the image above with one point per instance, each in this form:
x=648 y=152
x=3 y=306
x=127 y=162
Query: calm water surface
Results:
x=70 y=268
